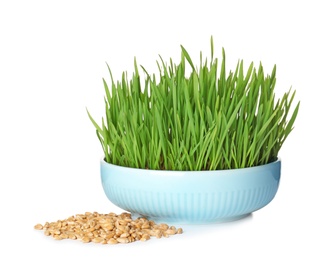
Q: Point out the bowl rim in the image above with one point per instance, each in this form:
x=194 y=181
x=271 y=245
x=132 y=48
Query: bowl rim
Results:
x=141 y=170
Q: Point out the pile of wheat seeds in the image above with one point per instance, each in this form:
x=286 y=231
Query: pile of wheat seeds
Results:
x=106 y=228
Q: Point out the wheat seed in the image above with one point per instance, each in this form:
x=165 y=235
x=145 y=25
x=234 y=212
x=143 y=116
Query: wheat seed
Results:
x=106 y=228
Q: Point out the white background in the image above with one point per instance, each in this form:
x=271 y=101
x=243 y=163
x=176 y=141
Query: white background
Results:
x=52 y=61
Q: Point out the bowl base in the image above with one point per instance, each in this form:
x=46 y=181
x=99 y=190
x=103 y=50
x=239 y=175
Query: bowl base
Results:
x=190 y=222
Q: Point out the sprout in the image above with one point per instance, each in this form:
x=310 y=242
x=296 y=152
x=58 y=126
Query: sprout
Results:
x=204 y=121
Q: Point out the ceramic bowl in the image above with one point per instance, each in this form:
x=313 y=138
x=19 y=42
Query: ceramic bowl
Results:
x=191 y=196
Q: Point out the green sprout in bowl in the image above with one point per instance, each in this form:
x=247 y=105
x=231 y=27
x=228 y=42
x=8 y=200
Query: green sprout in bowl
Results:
x=208 y=120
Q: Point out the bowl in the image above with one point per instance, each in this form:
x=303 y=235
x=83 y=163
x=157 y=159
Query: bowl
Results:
x=189 y=197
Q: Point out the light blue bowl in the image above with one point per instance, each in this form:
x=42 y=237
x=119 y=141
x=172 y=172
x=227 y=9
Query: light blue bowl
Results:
x=191 y=196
